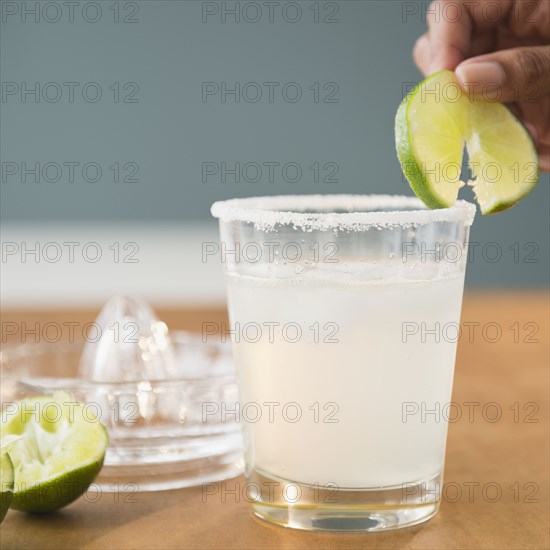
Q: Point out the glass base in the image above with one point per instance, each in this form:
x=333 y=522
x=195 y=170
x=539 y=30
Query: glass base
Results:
x=329 y=508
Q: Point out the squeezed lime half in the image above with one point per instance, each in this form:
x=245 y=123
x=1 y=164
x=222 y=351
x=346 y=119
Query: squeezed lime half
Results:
x=60 y=454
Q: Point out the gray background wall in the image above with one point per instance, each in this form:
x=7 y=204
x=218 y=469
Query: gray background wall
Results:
x=161 y=129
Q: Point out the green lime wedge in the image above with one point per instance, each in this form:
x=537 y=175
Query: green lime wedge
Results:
x=6 y=484
x=60 y=454
x=434 y=123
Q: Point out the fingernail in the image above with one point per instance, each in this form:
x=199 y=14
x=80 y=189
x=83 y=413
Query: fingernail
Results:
x=476 y=74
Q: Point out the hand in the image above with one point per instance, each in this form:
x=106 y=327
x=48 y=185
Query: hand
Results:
x=500 y=51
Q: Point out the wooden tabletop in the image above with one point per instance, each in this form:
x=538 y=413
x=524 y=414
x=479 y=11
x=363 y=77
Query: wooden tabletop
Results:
x=496 y=491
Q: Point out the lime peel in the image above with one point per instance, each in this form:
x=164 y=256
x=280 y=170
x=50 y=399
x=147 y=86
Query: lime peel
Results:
x=6 y=484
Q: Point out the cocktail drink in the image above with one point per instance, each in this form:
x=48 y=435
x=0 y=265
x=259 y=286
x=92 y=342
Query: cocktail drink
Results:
x=344 y=314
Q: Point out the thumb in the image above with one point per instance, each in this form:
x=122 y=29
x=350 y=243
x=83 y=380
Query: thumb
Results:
x=507 y=75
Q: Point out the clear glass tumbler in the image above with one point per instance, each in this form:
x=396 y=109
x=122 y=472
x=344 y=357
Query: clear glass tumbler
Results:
x=344 y=314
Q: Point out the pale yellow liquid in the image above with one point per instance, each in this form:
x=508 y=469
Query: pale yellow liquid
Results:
x=352 y=394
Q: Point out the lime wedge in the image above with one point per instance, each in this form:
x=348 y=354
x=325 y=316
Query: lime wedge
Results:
x=433 y=124
x=60 y=454
x=6 y=484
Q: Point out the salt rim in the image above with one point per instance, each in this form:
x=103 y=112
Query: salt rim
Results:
x=267 y=212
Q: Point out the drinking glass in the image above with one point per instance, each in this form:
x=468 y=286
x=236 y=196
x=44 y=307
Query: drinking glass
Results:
x=344 y=315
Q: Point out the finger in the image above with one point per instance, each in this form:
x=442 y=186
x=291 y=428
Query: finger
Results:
x=450 y=25
x=515 y=110
x=481 y=44
x=536 y=118
x=461 y=28
x=485 y=42
x=507 y=75
x=421 y=54
x=543 y=150
x=544 y=159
